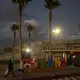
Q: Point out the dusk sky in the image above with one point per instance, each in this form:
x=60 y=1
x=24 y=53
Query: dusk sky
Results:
x=67 y=16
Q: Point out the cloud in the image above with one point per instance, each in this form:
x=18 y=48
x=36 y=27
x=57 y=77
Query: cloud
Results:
x=41 y=32
x=75 y=37
x=79 y=34
x=6 y=32
x=33 y=22
x=8 y=15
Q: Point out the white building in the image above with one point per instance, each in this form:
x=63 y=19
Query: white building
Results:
x=38 y=47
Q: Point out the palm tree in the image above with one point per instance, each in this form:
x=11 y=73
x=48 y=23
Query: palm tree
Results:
x=14 y=27
x=30 y=28
x=50 y=5
x=21 y=4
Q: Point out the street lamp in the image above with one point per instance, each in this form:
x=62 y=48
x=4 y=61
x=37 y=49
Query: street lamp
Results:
x=56 y=31
x=28 y=50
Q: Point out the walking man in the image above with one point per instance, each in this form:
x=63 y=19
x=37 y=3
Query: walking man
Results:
x=10 y=68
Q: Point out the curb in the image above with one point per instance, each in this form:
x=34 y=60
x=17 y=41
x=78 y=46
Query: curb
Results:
x=49 y=77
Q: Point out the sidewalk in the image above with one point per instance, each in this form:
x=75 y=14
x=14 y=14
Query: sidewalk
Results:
x=54 y=72
x=48 y=74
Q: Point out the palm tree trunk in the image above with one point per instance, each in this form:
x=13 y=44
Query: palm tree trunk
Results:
x=20 y=32
x=29 y=38
x=14 y=44
x=50 y=27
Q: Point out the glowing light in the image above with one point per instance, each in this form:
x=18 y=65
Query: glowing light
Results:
x=57 y=31
x=54 y=31
x=28 y=50
x=74 y=57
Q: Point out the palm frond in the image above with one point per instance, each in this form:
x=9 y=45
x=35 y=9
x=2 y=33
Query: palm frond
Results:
x=21 y=2
x=17 y=27
x=14 y=27
x=51 y=4
x=15 y=1
x=30 y=28
x=26 y=1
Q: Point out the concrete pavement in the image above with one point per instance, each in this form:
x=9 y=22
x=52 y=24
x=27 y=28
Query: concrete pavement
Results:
x=41 y=74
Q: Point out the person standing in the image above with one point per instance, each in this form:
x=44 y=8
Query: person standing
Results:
x=10 y=68
x=21 y=66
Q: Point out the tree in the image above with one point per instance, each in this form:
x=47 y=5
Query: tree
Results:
x=21 y=4
x=30 y=28
x=14 y=27
x=50 y=5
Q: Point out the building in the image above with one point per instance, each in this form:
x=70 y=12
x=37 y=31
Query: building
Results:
x=41 y=48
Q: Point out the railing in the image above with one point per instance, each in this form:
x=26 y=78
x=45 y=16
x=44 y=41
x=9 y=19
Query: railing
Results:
x=63 y=50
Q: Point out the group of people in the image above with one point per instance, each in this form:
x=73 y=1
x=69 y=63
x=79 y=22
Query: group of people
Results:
x=10 y=68
x=29 y=64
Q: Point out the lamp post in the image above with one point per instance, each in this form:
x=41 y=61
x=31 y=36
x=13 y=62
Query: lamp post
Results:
x=28 y=50
x=56 y=32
